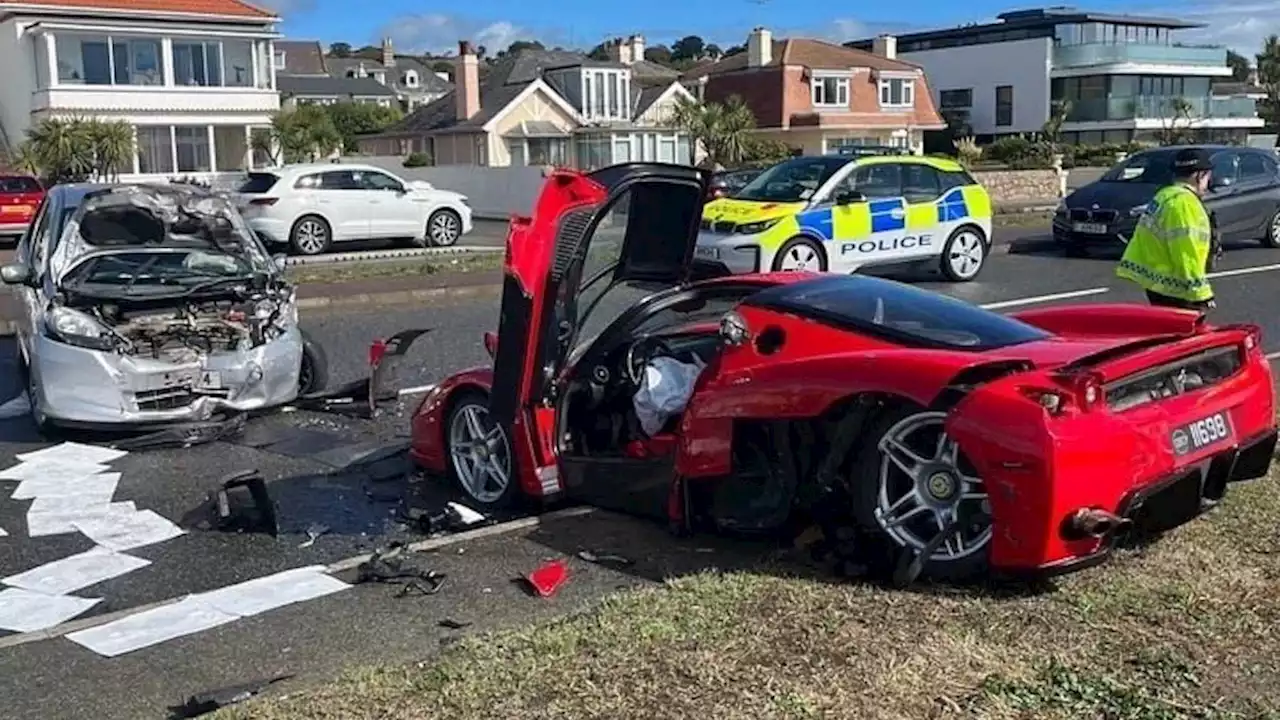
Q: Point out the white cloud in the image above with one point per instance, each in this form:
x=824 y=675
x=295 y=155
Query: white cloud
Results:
x=285 y=8
x=440 y=33
x=1241 y=27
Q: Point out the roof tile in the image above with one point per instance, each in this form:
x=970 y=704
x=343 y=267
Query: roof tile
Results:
x=226 y=8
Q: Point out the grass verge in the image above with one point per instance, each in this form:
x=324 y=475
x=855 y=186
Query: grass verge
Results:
x=1181 y=630
x=412 y=267
x=1021 y=220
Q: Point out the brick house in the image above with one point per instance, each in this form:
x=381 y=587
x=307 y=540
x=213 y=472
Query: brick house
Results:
x=818 y=97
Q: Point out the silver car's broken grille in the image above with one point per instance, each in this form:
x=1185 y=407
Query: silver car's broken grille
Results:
x=171 y=398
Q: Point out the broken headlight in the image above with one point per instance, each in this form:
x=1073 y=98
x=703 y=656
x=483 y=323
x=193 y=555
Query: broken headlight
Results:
x=76 y=328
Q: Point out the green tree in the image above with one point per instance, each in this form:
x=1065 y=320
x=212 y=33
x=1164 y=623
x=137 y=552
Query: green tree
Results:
x=1052 y=129
x=77 y=149
x=340 y=50
x=660 y=54
x=723 y=130
x=599 y=52
x=354 y=119
x=1239 y=65
x=1268 y=64
x=304 y=134
x=1175 y=129
x=518 y=46
x=689 y=47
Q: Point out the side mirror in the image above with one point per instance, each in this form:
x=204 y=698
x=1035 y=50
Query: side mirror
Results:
x=16 y=274
x=1219 y=183
x=280 y=261
x=849 y=197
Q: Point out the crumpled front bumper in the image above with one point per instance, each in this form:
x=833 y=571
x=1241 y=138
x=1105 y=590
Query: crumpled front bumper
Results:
x=80 y=386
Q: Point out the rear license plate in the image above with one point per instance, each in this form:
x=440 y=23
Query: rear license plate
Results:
x=1090 y=228
x=1203 y=433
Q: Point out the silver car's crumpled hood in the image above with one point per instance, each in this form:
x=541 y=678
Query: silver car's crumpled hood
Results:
x=170 y=206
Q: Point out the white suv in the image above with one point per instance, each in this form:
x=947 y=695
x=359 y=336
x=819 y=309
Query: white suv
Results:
x=310 y=207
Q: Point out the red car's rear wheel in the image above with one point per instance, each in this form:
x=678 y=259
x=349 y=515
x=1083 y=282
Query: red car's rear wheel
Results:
x=911 y=481
x=480 y=458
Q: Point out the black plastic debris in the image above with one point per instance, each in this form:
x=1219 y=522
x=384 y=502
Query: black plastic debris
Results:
x=452 y=624
x=445 y=519
x=243 y=504
x=389 y=566
x=185 y=435
x=207 y=702
x=361 y=398
x=314 y=531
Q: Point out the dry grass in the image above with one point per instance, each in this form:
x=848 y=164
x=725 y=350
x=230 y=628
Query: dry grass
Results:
x=1023 y=219
x=412 y=267
x=1184 y=629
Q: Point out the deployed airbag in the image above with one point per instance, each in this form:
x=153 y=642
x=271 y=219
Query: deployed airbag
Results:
x=664 y=391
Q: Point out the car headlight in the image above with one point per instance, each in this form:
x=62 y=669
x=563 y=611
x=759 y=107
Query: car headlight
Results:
x=756 y=227
x=76 y=328
x=1138 y=210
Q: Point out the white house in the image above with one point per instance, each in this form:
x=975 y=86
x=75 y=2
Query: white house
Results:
x=193 y=77
x=1122 y=74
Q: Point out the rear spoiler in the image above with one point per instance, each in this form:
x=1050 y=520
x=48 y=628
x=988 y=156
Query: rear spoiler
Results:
x=1113 y=320
x=1138 y=356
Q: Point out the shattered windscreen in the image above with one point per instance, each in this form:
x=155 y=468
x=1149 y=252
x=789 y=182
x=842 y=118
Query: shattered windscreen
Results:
x=141 y=235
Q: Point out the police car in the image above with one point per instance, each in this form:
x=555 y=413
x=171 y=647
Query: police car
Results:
x=842 y=213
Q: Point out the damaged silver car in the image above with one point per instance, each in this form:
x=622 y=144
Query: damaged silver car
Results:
x=154 y=304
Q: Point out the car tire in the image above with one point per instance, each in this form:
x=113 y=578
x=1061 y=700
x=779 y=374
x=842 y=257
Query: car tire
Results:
x=1272 y=238
x=473 y=474
x=444 y=227
x=313 y=376
x=964 y=254
x=880 y=491
x=801 y=252
x=44 y=426
x=311 y=235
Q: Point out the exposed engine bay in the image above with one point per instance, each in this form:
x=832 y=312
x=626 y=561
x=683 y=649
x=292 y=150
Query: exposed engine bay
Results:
x=1198 y=371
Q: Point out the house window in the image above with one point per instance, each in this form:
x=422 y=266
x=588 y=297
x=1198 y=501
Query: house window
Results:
x=197 y=64
x=836 y=144
x=411 y=79
x=830 y=91
x=103 y=60
x=192 y=145
x=279 y=60
x=1004 y=105
x=960 y=98
x=897 y=92
x=593 y=151
x=548 y=151
x=155 y=149
x=605 y=95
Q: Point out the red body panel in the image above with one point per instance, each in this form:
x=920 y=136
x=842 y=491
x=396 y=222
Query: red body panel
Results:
x=17 y=208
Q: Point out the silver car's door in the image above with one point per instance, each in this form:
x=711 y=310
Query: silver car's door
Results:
x=33 y=251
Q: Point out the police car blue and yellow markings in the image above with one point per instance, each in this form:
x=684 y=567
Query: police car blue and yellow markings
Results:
x=952 y=207
x=888 y=215
x=819 y=223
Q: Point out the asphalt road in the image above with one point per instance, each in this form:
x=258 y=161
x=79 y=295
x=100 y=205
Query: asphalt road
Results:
x=56 y=678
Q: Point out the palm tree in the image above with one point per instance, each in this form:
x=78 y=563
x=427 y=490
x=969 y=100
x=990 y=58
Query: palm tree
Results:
x=62 y=149
x=113 y=148
x=722 y=129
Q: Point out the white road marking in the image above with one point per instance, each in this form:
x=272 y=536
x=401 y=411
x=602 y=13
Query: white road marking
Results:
x=1244 y=271
x=416 y=390
x=1045 y=298
x=1273 y=356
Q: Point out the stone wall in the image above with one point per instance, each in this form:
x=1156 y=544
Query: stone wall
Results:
x=1019 y=187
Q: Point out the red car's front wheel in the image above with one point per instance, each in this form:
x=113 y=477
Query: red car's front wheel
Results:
x=480 y=458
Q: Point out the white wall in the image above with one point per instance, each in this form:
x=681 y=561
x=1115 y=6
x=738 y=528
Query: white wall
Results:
x=1024 y=64
x=17 y=57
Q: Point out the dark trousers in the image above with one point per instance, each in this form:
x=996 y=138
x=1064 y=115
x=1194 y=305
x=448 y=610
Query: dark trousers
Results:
x=1165 y=301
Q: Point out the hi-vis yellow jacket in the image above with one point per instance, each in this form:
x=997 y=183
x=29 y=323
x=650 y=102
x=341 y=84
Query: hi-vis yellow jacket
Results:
x=1170 y=248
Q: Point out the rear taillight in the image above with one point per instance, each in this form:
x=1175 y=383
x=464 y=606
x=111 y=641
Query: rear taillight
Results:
x=263 y=202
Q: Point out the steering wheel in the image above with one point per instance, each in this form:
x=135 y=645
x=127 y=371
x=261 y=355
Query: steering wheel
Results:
x=639 y=354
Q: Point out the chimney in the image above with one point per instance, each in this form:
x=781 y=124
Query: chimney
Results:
x=637 y=48
x=388 y=55
x=466 y=84
x=885 y=46
x=759 y=48
x=619 y=51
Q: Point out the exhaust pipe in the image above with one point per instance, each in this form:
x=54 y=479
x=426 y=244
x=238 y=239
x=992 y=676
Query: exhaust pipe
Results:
x=1097 y=523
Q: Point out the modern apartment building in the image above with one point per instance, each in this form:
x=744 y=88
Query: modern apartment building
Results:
x=1126 y=77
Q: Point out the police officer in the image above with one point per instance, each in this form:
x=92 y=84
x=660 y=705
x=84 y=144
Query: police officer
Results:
x=1172 y=246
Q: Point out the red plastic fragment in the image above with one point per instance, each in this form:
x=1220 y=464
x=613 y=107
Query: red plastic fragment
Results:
x=377 y=350
x=548 y=578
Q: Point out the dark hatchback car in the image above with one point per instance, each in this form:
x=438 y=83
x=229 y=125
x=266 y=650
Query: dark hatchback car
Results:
x=1243 y=199
x=729 y=182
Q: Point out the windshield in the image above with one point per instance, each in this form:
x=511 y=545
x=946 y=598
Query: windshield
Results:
x=794 y=180
x=258 y=183
x=899 y=312
x=1152 y=167
x=160 y=272
x=18 y=184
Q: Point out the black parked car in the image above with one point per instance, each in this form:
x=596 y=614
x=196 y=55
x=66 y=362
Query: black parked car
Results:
x=1243 y=199
x=728 y=182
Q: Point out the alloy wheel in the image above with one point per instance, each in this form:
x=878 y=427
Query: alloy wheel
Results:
x=312 y=236
x=479 y=452
x=444 y=229
x=800 y=257
x=966 y=254
x=925 y=484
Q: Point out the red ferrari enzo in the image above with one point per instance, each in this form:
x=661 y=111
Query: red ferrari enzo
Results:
x=966 y=440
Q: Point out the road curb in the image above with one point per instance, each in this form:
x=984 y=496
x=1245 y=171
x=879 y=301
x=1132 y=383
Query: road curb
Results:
x=67 y=628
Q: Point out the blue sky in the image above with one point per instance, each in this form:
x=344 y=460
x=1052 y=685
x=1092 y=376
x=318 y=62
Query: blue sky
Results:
x=417 y=26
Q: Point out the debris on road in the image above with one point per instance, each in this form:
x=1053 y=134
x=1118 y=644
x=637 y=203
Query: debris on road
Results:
x=207 y=702
x=187 y=434
x=232 y=514
x=591 y=557
x=361 y=398
x=452 y=624
x=453 y=517
x=548 y=578
x=314 y=531
x=388 y=566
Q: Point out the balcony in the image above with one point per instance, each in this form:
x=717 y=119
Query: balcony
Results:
x=1094 y=54
x=1161 y=108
